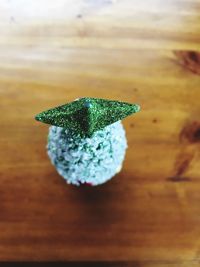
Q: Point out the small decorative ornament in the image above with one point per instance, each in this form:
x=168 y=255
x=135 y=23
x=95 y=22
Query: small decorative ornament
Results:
x=87 y=142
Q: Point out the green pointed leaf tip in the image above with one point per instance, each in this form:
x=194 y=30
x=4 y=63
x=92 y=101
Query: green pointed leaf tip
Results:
x=87 y=115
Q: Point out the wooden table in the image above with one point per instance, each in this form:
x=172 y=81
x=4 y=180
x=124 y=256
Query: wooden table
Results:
x=52 y=52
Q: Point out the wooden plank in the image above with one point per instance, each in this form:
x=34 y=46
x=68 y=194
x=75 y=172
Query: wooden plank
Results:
x=149 y=213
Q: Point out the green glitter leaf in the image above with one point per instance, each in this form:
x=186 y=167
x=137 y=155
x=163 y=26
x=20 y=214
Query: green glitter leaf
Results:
x=87 y=115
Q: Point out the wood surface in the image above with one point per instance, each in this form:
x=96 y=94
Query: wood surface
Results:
x=147 y=52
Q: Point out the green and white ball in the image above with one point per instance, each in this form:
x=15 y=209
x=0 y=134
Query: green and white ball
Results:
x=92 y=160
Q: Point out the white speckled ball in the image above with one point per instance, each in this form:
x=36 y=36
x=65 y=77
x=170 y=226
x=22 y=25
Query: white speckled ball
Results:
x=92 y=160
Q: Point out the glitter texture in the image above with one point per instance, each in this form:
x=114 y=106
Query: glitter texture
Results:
x=85 y=116
x=87 y=160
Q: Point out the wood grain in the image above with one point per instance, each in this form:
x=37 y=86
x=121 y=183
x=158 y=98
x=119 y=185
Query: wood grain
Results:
x=52 y=52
